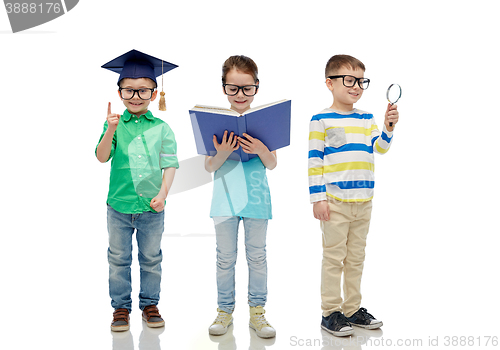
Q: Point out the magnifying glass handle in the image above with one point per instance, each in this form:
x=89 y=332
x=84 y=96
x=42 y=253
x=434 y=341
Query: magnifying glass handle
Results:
x=390 y=123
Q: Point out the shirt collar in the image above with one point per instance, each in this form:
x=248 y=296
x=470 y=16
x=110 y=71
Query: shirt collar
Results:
x=127 y=115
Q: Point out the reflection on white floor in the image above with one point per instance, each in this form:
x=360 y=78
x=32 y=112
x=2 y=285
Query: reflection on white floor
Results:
x=188 y=305
x=154 y=338
x=149 y=339
x=424 y=302
x=228 y=340
x=354 y=342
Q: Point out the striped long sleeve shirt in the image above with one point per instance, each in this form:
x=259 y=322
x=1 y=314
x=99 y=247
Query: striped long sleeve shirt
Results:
x=341 y=162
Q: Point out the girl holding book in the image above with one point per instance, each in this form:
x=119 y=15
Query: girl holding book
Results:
x=241 y=193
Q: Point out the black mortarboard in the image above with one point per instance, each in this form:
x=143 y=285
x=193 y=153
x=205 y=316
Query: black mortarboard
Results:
x=135 y=64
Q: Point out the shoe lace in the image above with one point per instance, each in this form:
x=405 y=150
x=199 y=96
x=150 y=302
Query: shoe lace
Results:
x=260 y=320
x=221 y=317
x=340 y=319
x=364 y=314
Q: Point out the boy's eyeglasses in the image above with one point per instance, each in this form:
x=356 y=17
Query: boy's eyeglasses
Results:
x=350 y=81
x=128 y=94
x=232 y=90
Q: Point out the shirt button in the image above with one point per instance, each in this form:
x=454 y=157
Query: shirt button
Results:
x=139 y=156
x=137 y=121
x=140 y=194
x=138 y=137
x=140 y=175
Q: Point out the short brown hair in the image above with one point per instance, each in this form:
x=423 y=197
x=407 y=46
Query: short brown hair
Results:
x=342 y=61
x=242 y=63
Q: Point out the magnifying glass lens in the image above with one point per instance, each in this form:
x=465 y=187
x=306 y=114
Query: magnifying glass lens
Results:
x=394 y=93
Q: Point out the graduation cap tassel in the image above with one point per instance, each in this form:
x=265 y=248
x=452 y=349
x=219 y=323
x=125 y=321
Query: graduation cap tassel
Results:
x=162 y=105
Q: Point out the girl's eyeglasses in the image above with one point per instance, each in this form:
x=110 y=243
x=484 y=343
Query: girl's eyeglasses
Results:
x=232 y=90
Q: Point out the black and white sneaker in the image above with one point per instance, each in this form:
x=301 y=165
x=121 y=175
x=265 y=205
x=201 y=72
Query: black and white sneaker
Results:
x=337 y=324
x=363 y=319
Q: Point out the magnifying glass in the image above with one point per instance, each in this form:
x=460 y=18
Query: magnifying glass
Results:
x=393 y=95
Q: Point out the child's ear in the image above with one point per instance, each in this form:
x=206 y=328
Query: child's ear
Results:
x=121 y=99
x=329 y=84
x=153 y=96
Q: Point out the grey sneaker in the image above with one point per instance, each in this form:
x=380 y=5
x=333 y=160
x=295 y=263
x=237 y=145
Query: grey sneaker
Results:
x=152 y=316
x=120 y=320
x=221 y=323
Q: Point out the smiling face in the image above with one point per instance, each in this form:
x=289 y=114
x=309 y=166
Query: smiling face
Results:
x=345 y=97
x=135 y=105
x=239 y=102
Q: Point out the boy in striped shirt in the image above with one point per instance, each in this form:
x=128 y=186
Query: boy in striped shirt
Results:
x=342 y=141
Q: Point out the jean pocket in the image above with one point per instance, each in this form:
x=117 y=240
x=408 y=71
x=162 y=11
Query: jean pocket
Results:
x=335 y=137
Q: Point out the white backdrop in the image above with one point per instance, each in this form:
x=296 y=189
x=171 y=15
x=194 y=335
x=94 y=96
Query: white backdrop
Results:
x=432 y=256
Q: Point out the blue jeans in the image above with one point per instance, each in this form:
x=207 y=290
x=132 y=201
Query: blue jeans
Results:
x=149 y=231
x=226 y=231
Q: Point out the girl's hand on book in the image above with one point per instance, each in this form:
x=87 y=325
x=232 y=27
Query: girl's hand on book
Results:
x=228 y=145
x=252 y=145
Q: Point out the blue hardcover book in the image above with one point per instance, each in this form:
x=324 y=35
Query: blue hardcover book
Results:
x=269 y=123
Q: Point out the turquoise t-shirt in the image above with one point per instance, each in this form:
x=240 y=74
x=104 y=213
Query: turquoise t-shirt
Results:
x=241 y=189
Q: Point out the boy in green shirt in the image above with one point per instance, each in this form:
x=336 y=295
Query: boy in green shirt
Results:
x=140 y=146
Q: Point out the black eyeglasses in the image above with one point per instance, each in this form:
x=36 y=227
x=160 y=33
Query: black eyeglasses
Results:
x=232 y=90
x=350 y=81
x=128 y=94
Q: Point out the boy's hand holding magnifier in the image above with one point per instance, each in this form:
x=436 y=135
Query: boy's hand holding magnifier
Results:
x=391 y=114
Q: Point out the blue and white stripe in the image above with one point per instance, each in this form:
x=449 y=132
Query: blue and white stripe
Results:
x=341 y=162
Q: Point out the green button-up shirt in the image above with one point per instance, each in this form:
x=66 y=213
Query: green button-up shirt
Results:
x=141 y=148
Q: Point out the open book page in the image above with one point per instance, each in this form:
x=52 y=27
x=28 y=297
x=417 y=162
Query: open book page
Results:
x=263 y=106
x=226 y=111
x=218 y=110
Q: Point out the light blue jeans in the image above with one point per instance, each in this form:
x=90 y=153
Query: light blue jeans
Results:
x=149 y=231
x=226 y=231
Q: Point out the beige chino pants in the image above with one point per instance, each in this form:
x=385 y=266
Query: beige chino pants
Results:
x=344 y=241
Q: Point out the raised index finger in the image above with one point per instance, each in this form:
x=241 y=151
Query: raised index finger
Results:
x=109 y=108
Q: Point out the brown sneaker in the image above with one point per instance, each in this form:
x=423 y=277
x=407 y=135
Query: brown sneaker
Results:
x=152 y=316
x=120 y=320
